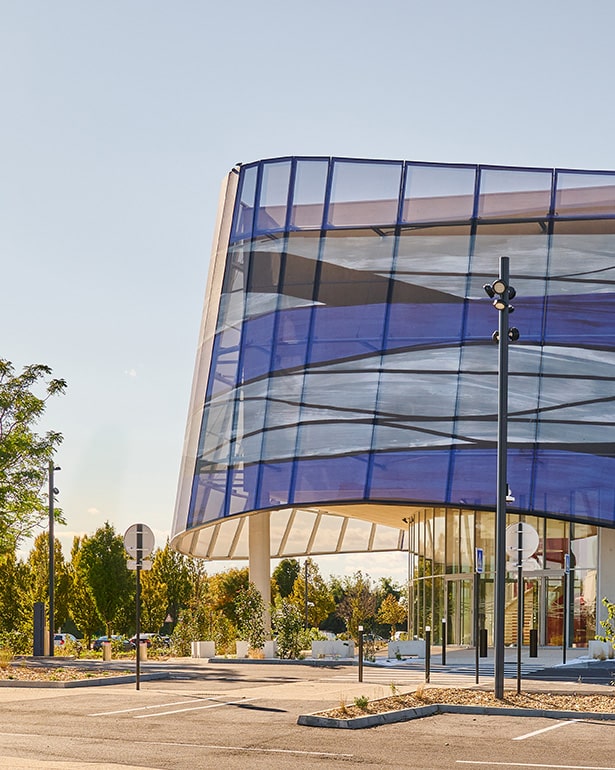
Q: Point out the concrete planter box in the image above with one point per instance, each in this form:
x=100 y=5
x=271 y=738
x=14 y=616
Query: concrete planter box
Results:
x=600 y=650
x=333 y=649
x=203 y=649
x=412 y=647
x=242 y=649
x=271 y=649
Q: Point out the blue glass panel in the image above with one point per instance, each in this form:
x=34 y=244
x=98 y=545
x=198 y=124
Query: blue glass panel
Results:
x=438 y=193
x=258 y=336
x=309 y=193
x=514 y=193
x=242 y=490
x=273 y=199
x=332 y=478
x=275 y=483
x=411 y=476
x=244 y=207
x=364 y=193
x=224 y=364
x=584 y=194
x=207 y=501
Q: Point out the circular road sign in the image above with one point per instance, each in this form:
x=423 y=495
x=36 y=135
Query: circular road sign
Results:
x=529 y=541
x=139 y=541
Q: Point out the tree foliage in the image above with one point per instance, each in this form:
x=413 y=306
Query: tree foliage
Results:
x=250 y=610
x=38 y=564
x=24 y=454
x=178 y=573
x=319 y=596
x=359 y=603
x=153 y=597
x=284 y=576
x=391 y=612
x=103 y=565
x=82 y=606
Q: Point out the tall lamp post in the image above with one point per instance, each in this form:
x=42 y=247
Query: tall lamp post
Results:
x=52 y=491
x=501 y=292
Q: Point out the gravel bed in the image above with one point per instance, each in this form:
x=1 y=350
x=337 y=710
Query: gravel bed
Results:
x=24 y=673
x=549 y=701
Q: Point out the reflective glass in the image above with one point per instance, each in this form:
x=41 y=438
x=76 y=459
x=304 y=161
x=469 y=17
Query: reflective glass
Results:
x=583 y=194
x=438 y=193
x=273 y=199
x=244 y=207
x=364 y=193
x=309 y=193
x=514 y=193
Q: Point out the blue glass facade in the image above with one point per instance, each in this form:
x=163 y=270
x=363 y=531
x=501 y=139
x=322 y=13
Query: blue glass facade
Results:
x=352 y=359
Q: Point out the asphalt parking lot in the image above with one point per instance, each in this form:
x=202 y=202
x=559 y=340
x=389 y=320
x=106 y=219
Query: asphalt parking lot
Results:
x=235 y=715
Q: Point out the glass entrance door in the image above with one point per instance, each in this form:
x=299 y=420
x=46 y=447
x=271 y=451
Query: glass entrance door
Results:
x=459 y=611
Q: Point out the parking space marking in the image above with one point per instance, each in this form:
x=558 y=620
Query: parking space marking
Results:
x=195 y=708
x=258 y=749
x=556 y=726
x=141 y=708
x=530 y=764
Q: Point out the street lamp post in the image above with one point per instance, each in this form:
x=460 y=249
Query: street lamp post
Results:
x=52 y=491
x=501 y=292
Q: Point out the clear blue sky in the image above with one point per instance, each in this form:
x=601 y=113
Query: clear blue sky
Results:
x=120 y=119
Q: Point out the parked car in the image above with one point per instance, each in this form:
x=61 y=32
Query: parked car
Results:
x=152 y=639
x=97 y=645
x=62 y=640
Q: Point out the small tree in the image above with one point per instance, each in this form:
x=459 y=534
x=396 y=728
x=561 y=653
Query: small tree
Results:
x=103 y=566
x=391 y=612
x=250 y=610
x=359 y=603
x=609 y=624
x=287 y=621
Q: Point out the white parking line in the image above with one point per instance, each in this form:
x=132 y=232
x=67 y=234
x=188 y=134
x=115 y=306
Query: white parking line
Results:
x=141 y=708
x=194 y=708
x=257 y=749
x=527 y=764
x=547 y=729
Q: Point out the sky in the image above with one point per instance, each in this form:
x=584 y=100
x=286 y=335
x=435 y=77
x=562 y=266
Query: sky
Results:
x=120 y=120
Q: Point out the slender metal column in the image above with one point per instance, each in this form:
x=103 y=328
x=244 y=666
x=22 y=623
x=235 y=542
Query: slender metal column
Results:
x=501 y=486
x=51 y=560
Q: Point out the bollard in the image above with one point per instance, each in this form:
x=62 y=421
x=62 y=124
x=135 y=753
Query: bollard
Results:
x=360 y=653
x=106 y=651
x=444 y=641
x=427 y=653
x=143 y=650
x=533 y=642
x=483 y=642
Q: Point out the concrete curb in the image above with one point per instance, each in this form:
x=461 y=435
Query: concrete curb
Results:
x=405 y=715
x=286 y=661
x=90 y=682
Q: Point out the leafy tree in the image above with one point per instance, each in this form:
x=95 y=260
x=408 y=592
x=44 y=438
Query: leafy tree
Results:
x=24 y=454
x=15 y=600
x=177 y=572
x=250 y=609
x=38 y=564
x=284 y=576
x=225 y=588
x=103 y=565
x=287 y=621
x=359 y=603
x=153 y=598
x=391 y=612
x=320 y=598
x=200 y=621
x=82 y=606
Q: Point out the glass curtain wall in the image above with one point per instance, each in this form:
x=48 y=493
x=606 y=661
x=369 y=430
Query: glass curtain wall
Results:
x=443 y=545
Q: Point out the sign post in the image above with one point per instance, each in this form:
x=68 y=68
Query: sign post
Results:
x=138 y=543
x=479 y=565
